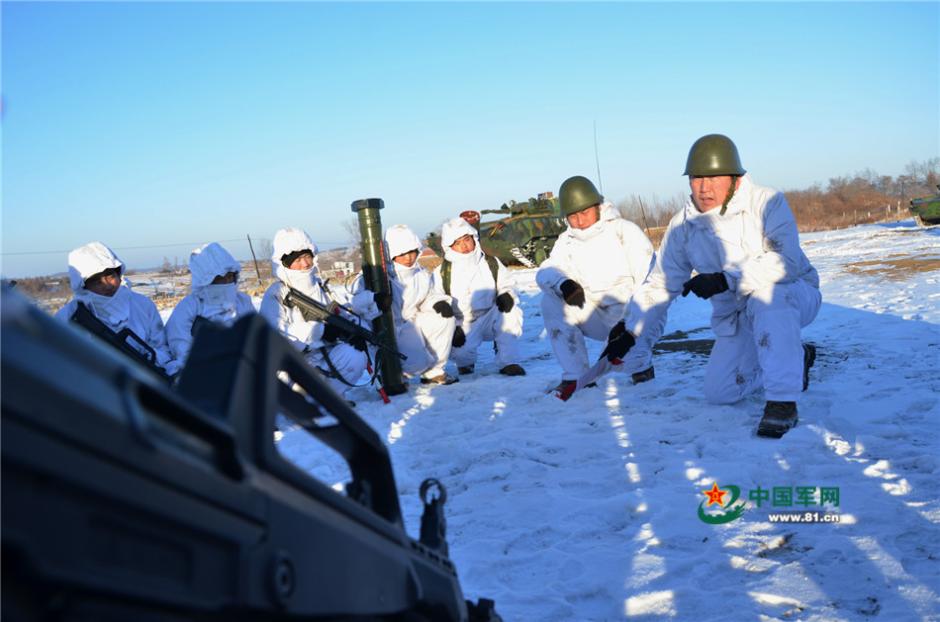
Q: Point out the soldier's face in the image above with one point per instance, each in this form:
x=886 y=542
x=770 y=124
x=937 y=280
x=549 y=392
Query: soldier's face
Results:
x=710 y=192
x=225 y=279
x=406 y=259
x=302 y=262
x=104 y=283
x=585 y=218
x=464 y=244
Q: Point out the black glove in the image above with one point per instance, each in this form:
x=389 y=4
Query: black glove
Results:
x=572 y=293
x=619 y=342
x=705 y=285
x=459 y=338
x=443 y=308
x=330 y=333
x=383 y=301
x=359 y=343
x=504 y=302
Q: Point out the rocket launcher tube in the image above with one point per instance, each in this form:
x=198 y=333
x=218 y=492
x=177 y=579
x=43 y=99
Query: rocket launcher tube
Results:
x=375 y=277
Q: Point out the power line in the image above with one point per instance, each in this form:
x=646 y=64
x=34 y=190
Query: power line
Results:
x=126 y=248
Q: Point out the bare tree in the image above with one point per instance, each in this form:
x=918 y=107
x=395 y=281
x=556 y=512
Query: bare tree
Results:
x=351 y=225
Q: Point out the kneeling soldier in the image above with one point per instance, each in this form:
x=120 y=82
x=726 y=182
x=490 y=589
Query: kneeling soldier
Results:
x=424 y=319
x=105 y=306
x=294 y=264
x=213 y=297
x=587 y=281
x=742 y=242
x=484 y=298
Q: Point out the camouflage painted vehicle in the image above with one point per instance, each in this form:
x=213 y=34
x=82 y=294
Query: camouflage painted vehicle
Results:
x=926 y=210
x=523 y=235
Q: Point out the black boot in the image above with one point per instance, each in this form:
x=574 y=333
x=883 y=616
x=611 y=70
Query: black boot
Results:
x=512 y=370
x=643 y=376
x=466 y=369
x=809 y=357
x=778 y=418
x=444 y=379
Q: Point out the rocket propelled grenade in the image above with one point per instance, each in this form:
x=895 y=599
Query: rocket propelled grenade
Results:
x=375 y=276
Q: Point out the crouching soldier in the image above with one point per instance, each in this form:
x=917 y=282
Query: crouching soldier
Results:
x=742 y=242
x=106 y=307
x=294 y=264
x=587 y=282
x=213 y=297
x=424 y=319
x=484 y=298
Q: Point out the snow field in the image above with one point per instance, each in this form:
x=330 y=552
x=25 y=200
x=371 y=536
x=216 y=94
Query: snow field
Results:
x=587 y=510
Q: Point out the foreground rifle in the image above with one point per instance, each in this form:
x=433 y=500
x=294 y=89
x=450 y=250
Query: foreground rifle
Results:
x=125 y=499
x=121 y=340
x=314 y=311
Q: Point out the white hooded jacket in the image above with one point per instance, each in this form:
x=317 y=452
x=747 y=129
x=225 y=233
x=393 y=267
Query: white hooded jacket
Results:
x=290 y=321
x=756 y=245
x=125 y=309
x=412 y=288
x=221 y=303
x=608 y=259
x=412 y=292
x=472 y=287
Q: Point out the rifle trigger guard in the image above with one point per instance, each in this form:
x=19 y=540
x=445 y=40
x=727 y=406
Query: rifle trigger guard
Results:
x=426 y=487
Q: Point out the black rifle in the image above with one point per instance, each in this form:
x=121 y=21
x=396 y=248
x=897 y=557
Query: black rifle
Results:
x=314 y=311
x=125 y=499
x=120 y=340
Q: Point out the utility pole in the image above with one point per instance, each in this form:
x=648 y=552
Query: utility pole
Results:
x=257 y=269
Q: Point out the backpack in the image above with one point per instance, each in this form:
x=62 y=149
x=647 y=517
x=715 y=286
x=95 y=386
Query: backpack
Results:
x=446 y=268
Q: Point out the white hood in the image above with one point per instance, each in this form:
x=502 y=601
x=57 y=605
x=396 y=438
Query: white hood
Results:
x=209 y=261
x=456 y=228
x=89 y=260
x=288 y=241
x=400 y=240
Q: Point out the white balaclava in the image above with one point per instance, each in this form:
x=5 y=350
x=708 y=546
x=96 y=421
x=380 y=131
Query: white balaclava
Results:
x=606 y=213
x=216 y=301
x=399 y=239
x=288 y=241
x=87 y=261
x=454 y=229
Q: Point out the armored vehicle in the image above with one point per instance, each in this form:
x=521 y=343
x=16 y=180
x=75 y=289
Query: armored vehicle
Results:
x=523 y=234
x=926 y=210
x=128 y=499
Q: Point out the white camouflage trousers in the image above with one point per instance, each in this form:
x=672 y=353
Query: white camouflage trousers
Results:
x=503 y=328
x=766 y=349
x=568 y=325
x=427 y=343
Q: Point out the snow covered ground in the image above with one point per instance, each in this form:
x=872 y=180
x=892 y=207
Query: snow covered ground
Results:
x=588 y=510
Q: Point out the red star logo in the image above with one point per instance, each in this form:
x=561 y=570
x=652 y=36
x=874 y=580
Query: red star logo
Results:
x=714 y=495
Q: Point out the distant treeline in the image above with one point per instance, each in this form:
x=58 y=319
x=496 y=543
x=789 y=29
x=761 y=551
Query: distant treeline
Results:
x=864 y=197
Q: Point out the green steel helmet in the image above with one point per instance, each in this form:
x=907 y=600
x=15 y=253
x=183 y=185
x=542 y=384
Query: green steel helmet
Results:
x=714 y=154
x=578 y=193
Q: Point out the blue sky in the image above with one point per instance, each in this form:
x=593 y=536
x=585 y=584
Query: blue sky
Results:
x=157 y=124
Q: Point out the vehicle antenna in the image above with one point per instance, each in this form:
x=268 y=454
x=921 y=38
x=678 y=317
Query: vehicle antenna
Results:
x=597 y=160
